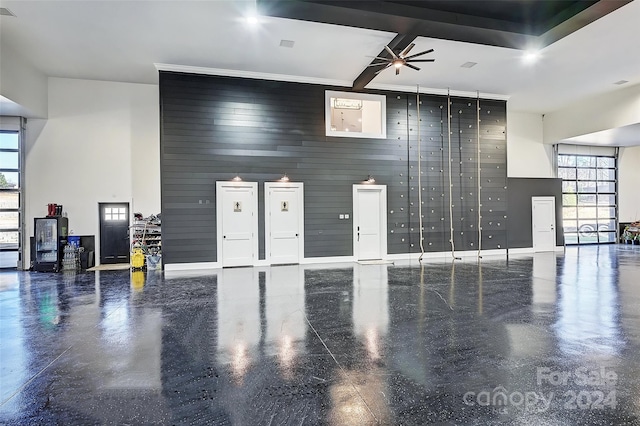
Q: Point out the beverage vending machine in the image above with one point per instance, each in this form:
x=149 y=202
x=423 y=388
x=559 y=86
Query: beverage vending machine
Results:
x=50 y=239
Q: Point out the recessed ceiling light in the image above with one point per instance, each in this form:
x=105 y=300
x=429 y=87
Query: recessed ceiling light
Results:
x=621 y=82
x=469 y=64
x=287 y=43
x=531 y=56
x=6 y=12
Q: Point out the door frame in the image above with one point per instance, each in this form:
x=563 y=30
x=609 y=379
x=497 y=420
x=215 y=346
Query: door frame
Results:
x=98 y=253
x=254 y=223
x=383 y=217
x=267 y=223
x=533 y=228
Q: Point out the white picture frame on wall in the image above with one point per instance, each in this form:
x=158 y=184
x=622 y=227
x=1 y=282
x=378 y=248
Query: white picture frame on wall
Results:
x=355 y=115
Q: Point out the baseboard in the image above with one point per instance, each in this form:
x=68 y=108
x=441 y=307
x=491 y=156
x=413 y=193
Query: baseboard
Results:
x=332 y=259
x=190 y=266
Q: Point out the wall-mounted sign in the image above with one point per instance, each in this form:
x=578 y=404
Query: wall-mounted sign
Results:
x=342 y=103
x=237 y=206
x=284 y=206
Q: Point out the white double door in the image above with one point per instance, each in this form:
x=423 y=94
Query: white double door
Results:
x=284 y=222
x=369 y=222
x=237 y=223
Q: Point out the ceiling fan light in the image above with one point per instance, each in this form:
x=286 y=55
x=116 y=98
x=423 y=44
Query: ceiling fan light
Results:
x=397 y=64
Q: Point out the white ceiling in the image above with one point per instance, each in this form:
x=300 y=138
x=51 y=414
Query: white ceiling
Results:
x=122 y=40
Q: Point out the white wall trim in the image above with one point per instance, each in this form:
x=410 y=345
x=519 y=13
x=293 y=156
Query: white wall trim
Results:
x=433 y=91
x=191 y=266
x=321 y=81
x=251 y=74
x=331 y=259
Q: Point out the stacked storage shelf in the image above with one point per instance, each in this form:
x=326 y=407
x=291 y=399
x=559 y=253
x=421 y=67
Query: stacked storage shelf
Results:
x=148 y=236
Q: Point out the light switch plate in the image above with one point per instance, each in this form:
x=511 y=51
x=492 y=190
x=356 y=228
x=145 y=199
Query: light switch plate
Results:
x=346 y=216
x=341 y=216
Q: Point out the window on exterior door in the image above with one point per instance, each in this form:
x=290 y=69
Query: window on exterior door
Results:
x=589 y=198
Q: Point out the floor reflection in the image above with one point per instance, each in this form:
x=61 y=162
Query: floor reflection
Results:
x=587 y=306
x=350 y=344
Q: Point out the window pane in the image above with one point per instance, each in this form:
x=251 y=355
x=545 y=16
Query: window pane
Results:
x=606 y=237
x=587 y=228
x=587 y=174
x=567 y=160
x=587 y=199
x=586 y=186
x=606 y=225
x=606 y=212
x=606 y=174
x=569 y=187
x=107 y=216
x=606 y=187
x=9 y=160
x=8 y=259
x=9 y=239
x=8 y=140
x=587 y=212
x=9 y=180
x=122 y=210
x=121 y=216
x=569 y=213
x=570 y=226
x=606 y=199
x=585 y=161
x=565 y=173
x=606 y=162
x=9 y=200
x=107 y=210
x=9 y=220
x=569 y=199
x=571 y=238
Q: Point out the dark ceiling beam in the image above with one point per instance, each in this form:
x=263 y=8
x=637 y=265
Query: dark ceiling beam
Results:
x=398 y=44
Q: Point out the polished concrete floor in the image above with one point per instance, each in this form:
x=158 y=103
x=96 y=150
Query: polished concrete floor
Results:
x=549 y=339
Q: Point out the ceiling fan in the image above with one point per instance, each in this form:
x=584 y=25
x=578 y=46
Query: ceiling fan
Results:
x=401 y=59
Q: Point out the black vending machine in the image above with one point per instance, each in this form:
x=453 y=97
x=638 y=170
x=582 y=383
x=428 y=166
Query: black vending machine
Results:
x=50 y=238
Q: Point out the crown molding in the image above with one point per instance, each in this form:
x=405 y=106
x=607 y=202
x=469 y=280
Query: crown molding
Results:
x=251 y=74
x=321 y=81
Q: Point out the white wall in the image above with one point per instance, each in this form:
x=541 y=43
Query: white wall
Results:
x=602 y=112
x=23 y=84
x=100 y=144
x=527 y=156
x=629 y=184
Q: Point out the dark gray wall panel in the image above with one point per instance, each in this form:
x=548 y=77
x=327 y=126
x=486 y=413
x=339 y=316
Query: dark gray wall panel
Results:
x=520 y=192
x=214 y=127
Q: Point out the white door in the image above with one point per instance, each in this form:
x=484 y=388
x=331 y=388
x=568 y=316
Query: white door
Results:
x=369 y=222
x=284 y=222
x=237 y=210
x=543 y=213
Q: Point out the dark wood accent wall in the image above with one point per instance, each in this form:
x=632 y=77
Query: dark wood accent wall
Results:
x=213 y=128
x=520 y=192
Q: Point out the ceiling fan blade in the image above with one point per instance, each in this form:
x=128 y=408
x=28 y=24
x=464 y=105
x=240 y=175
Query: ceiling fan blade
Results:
x=421 y=60
x=379 y=71
x=414 y=67
x=419 y=54
x=393 y=55
x=406 y=51
x=377 y=65
x=381 y=58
